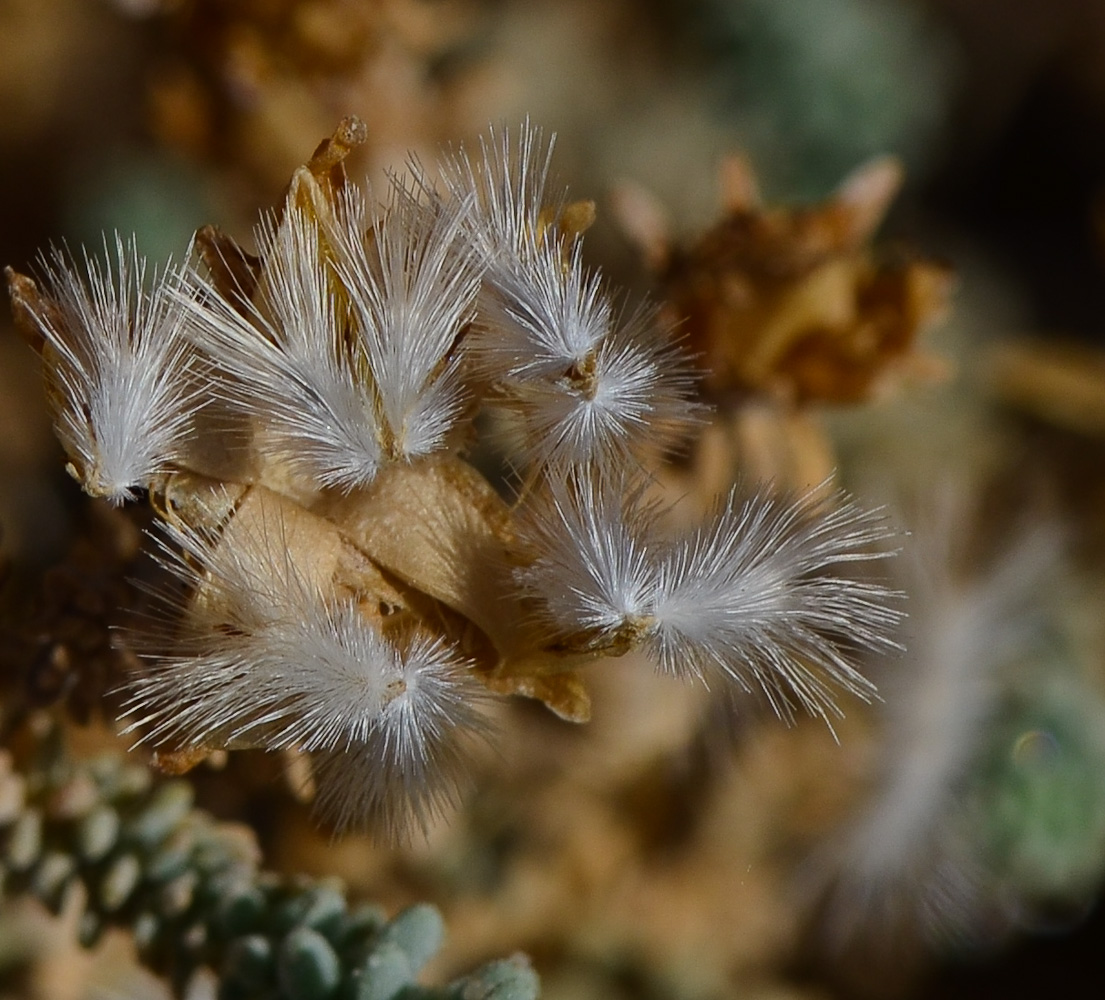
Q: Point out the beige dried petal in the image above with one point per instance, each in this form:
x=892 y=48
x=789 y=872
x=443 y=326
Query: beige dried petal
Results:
x=438 y=526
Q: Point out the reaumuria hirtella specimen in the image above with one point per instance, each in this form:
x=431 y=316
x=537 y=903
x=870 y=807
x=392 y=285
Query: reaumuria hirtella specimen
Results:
x=356 y=588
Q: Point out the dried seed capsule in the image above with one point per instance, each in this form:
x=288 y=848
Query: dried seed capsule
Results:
x=307 y=967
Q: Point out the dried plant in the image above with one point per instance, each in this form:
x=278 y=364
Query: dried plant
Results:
x=354 y=587
x=790 y=309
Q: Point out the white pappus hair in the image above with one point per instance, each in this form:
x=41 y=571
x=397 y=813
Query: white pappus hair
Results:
x=755 y=597
x=413 y=762
x=509 y=181
x=121 y=372
x=286 y=359
x=412 y=289
x=630 y=393
x=587 y=385
x=541 y=314
x=266 y=660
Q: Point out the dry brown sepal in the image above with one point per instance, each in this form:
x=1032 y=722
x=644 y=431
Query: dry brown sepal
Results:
x=793 y=304
x=787 y=309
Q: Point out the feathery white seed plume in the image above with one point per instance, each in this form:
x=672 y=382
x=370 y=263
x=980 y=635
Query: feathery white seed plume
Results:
x=509 y=180
x=754 y=598
x=630 y=394
x=757 y=595
x=412 y=289
x=594 y=571
x=586 y=387
x=415 y=760
x=907 y=865
x=540 y=314
x=270 y=662
x=121 y=374
x=286 y=359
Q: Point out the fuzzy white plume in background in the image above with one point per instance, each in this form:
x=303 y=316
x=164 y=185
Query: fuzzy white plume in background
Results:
x=285 y=361
x=757 y=597
x=904 y=869
x=119 y=369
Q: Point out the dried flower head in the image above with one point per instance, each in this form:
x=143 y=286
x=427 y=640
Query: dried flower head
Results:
x=355 y=586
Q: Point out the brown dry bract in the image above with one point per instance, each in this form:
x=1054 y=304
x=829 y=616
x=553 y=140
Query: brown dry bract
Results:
x=793 y=304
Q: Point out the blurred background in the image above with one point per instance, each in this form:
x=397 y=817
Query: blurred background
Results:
x=949 y=841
